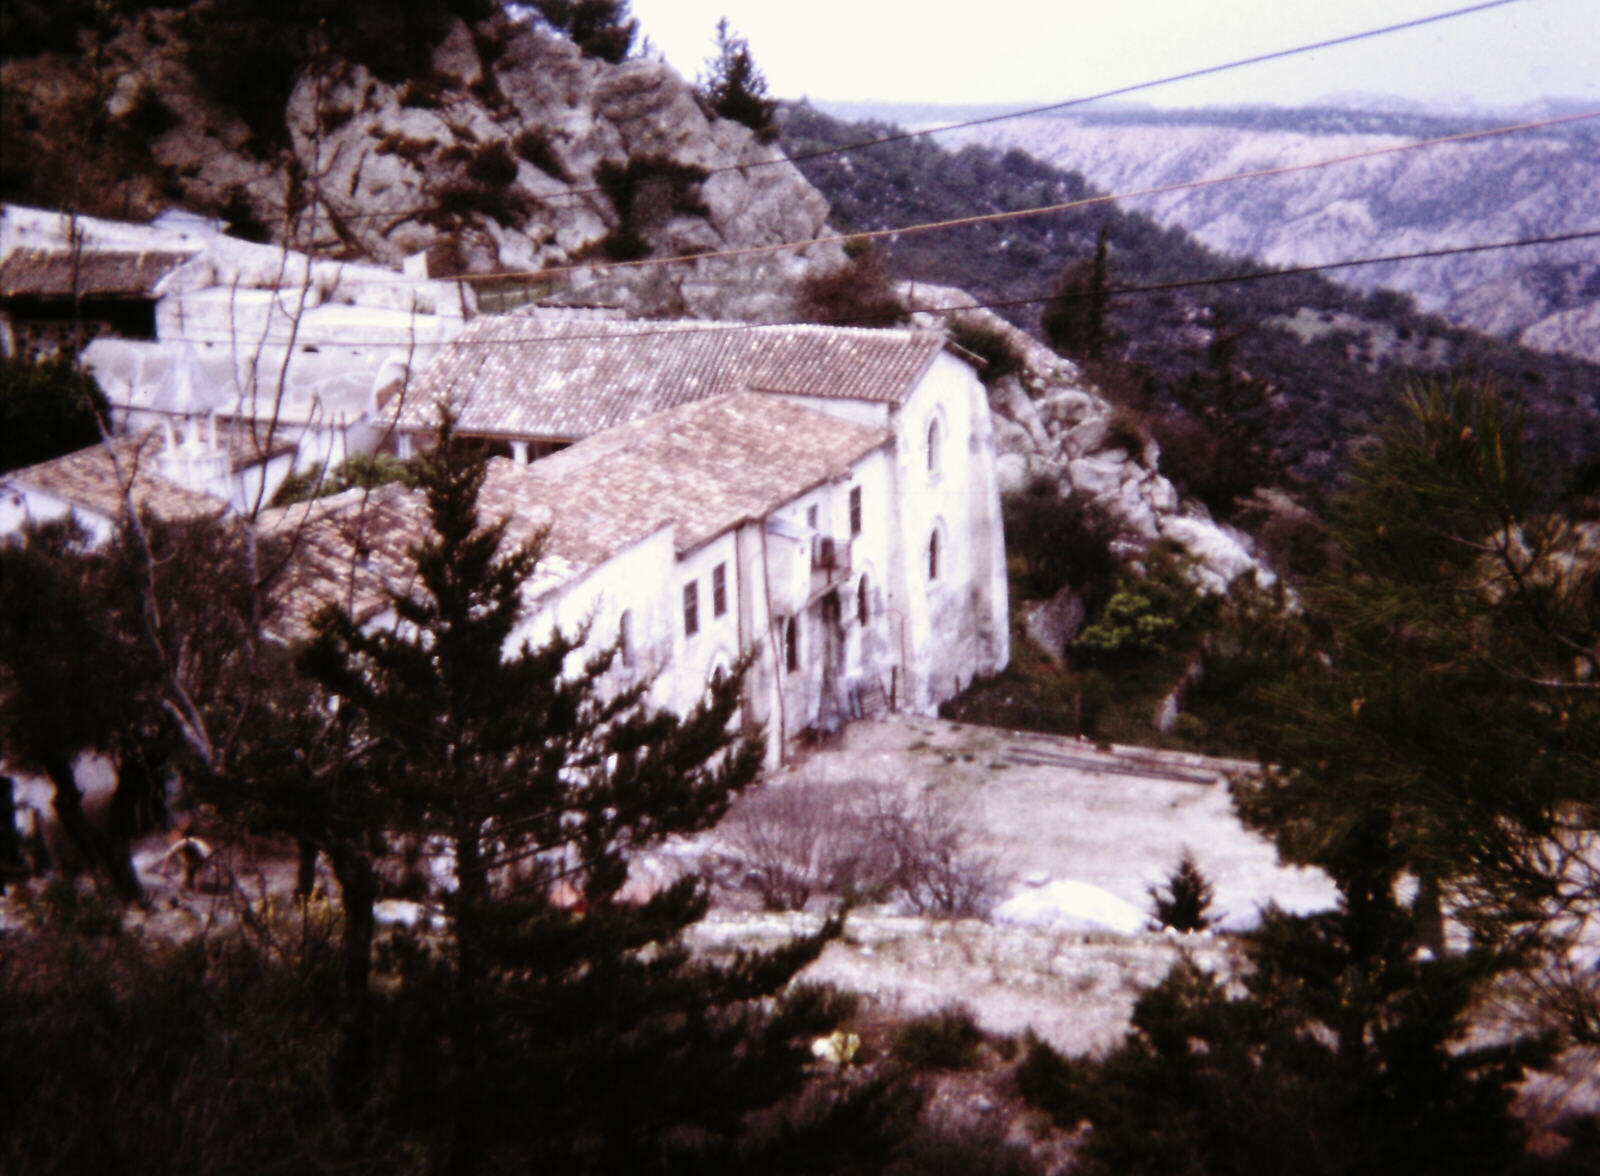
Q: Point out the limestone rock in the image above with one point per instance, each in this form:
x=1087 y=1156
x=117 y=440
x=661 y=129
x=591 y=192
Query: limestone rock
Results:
x=1048 y=422
x=1051 y=624
x=528 y=158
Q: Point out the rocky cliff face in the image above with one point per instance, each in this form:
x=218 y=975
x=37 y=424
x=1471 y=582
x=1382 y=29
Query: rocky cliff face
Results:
x=1505 y=188
x=515 y=153
x=1050 y=423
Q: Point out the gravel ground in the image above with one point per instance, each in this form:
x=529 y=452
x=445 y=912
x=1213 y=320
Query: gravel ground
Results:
x=1043 y=808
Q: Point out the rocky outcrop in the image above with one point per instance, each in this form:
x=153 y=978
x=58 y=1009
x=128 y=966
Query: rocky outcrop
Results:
x=515 y=154
x=1049 y=423
x=1496 y=189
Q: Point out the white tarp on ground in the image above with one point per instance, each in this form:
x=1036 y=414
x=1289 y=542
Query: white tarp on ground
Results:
x=1066 y=905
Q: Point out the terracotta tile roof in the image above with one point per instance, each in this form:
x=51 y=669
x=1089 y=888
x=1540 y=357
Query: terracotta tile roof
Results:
x=94 y=478
x=700 y=469
x=703 y=468
x=350 y=549
x=101 y=273
x=526 y=375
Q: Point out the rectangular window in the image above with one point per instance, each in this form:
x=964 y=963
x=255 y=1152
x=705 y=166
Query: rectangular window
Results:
x=791 y=645
x=719 y=589
x=855 y=510
x=811 y=517
x=691 y=608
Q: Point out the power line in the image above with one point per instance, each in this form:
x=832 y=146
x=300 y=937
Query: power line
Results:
x=1289 y=271
x=690 y=326
x=841 y=239
x=903 y=136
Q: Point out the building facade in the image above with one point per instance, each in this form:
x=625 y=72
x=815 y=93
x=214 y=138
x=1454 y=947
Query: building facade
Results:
x=740 y=526
x=924 y=537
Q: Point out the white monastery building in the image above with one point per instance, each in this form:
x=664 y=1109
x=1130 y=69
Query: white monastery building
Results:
x=920 y=527
x=187 y=330
x=822 y=499
x=743 y=522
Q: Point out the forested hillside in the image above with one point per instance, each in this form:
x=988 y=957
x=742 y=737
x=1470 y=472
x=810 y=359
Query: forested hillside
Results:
x=1303 y=363
x=1514 y=186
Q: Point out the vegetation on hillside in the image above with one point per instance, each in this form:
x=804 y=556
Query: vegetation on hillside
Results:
x=733 y=87
x=546 y=1021
x=1303 y=365
x=1434 y=736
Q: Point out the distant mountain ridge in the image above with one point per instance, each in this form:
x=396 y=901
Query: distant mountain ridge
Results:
x=1296 y=369
x=1535 y=183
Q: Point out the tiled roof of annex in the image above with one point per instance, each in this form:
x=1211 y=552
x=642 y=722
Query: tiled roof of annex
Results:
x=94 y=479
x=96 y=272
x=545 y=376
x=700 y=469
x=704 y=468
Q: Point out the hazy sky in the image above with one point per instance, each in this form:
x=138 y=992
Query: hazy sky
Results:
x=1036 y=51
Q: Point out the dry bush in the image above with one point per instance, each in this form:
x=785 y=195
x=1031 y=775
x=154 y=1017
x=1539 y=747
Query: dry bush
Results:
x=932 y=867
x=858 y=293
x=790 y=839
x=859 y=840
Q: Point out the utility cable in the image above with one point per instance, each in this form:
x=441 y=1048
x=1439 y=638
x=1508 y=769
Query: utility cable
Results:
x=689 y=326
x=843 y=239
x=903 y=136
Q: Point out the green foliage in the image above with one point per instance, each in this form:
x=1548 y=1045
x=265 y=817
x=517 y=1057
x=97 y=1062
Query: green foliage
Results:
x=534 y=145
x=127 y=1054
x=365 y=470
x=1449 y=729
x=1054 y=1083
x=601 y=28
x=1061 y=540
x=732 y=87
x=945 y=1040
x=491 y=164
x=1128 y=431
x=1254 y=1085
x=1075 y=319
x=858 y=293
x=46 y=409
x=1000 y=357
x=1186 y=904
x=578 y=1040
x=646 y=191
x=1149 y=615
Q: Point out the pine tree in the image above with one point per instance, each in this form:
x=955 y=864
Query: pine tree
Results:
x=46 y=409
x=601 y=28
x=579 y=1038
x=1443 y=731
x=1452 y=731
x=732 y=87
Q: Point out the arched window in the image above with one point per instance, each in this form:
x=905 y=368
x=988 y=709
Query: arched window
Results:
x=791 y=644
x=933 y=555
x=935 y=436
x=863 y=601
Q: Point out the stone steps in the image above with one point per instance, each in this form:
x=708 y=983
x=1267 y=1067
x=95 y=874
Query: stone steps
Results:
x=1120 y=760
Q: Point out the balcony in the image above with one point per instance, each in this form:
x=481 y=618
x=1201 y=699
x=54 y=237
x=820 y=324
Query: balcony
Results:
x=830 y=563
